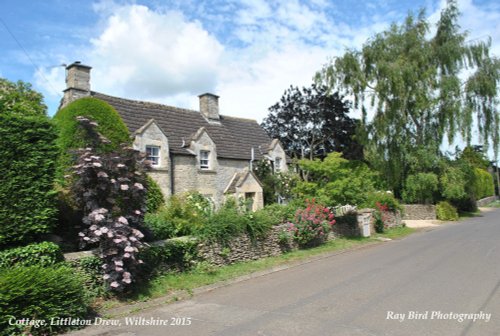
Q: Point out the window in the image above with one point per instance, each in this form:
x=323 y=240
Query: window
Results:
x=204 y=160
x=153 y=155
x=277 y=165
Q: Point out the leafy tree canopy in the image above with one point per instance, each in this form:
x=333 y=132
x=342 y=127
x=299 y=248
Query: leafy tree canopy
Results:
x=417 y=86
x=19 y=98
x=311 y=123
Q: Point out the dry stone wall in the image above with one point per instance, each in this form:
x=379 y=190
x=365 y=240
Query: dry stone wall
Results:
x=485 y=201
x=419 y=211
x=243 y=248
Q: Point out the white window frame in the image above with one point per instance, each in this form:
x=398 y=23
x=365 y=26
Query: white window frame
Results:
x=153 y=157
x=204 y=160
x=277 y=165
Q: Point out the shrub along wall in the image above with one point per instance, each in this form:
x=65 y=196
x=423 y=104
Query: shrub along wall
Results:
x=27 y=168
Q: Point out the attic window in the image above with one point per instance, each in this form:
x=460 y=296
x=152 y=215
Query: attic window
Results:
x=153 y=155
x=204 y=160
x=277 y=165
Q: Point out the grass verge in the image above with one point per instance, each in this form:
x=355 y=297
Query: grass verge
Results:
x=205 y=274
x=494 y=204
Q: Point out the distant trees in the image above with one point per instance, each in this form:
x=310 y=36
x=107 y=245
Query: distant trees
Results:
x=419 y=91
x=311 y=122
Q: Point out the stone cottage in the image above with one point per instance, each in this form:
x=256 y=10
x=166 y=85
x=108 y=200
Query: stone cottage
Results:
x=191 y=150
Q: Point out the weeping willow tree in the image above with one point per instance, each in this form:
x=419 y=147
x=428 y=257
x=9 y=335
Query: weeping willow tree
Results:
x=422 y=89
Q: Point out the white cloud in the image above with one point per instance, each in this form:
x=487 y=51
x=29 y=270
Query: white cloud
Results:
x=162 y=55
x=142 y=53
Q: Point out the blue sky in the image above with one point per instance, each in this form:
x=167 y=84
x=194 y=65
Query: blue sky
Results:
x=248 y=51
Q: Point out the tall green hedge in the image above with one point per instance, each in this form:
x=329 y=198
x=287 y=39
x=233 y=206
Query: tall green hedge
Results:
x=483 y=184
x=40 y=293
x=71 y=136
x=28 y=154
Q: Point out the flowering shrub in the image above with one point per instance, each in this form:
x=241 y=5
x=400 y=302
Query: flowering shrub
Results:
x=312 y=224
x=110 y=190
x=380 y=216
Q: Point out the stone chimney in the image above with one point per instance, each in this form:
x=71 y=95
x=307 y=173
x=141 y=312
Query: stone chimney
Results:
x=209 y=106
x=77 y=82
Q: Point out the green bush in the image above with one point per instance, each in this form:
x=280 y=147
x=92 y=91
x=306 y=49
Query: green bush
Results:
x=381 y=197
x=43 y=254
x=183 y=215
x=483 y=184
x=27 y=170
x=154 y=196
x=225 y=224
x=446 y=212
x=453 y=183
x=179 y=254
x=40 y=293
x=71 y=136
x=420 y=188
x=337 y=181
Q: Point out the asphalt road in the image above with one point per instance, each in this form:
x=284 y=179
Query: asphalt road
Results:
x=424 y=284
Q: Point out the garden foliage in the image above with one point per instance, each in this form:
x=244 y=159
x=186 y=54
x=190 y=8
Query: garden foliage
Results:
x=42 y=293
x=336 y=181
x=154 y=196
x=109 y=187
x=72 y=137
x=421 y=188
x=42 y=254
x=311 y=224
x=27 y=170
x=446 y=212
x=182 y=215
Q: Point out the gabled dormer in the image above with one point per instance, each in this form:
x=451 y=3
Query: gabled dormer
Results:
x=278 y=157
x=205 y=150
x=151 y=140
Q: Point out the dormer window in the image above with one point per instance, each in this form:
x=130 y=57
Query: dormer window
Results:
x=153 y=155
x=204 y=160
x=277 y=165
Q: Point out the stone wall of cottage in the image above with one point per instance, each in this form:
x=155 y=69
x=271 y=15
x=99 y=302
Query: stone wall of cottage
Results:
x=188 y=176
x=419 y=211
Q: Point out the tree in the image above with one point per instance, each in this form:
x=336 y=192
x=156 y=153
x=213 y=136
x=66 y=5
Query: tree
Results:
x=414 y=85
x=311 y=123
x=337 y=181
x=19 y=98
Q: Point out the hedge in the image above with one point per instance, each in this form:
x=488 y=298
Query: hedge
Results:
x=420 y=188
x=71 y=136
x=27 y=169
x=43 y=254
x=483 y=184
x=40 y=293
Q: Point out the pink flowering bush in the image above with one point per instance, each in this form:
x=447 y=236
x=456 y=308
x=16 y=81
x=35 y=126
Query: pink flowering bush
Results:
x=109 y=187
x=312 y=224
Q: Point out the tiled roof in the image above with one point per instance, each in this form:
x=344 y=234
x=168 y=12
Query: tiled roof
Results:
x=233 y=137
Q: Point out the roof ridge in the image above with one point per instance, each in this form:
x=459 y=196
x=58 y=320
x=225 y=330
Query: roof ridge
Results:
x=239 y=118
x=147 y=103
